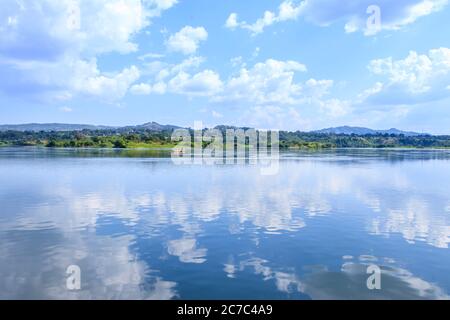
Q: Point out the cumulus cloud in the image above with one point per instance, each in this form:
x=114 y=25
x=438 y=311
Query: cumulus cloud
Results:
x=273 y=97
x=158 y=6
x=394 y=14
x=43 y=44
x=354 y=14
x=288 y=10
x=190 y=63
x=151 y=55
x=141 y=89
x=183 y=78
x=146 y=89
x=65 y=79
x=267 y=93
x=205 y=83
x=269 y=82
x=55 y=27
x=414 y=79
x=89 y=80
x=232 y=22
x=187 y=40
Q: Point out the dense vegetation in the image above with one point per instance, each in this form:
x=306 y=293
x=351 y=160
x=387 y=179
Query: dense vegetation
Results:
x=317 y=140
x=162 y=139
x=87 y=139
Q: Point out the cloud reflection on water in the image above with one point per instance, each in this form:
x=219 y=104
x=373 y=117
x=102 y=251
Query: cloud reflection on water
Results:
x=347 y=283
x=101 y=224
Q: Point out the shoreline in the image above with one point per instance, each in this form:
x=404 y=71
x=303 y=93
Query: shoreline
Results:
x=166 y=148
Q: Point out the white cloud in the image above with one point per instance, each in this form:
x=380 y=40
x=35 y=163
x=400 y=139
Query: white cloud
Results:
x=90 y=81
x=354 y=14
x=288 y=10
x=269 y=82
x=317 y=88
x=417 y=78
x=86 y=26
x=146 y=89
x=64 y=79
x=158 y=6
x=237 y=61
x=334 y=107
x=205 y=83
x=269 y=96
x=187 y=40
x=256 y=53
x=163 y=70
x=267 y=19
x=141 y=89
x=266 y=93
x=232 y=22
x=177 y=78
x=151 y=55
x=42 y=46
x=159 y=88
x=185 y=65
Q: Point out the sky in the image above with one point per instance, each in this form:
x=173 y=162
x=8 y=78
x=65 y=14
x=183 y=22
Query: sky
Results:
x=285 y=64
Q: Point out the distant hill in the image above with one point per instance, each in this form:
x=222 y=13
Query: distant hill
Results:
x=366 y=131
x=154 y=126
x=51 y=127
x=36 y=127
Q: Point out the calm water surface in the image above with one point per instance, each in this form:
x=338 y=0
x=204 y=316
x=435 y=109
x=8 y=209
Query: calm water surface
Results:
x=140 y=227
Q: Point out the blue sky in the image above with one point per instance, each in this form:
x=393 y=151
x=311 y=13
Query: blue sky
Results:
x=297 y=65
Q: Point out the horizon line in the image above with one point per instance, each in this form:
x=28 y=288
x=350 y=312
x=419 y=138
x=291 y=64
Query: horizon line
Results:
x=225 y=125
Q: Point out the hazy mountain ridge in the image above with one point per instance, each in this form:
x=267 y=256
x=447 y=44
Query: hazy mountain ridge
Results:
x=52 y=127
x=36 y=127
x=366 y=131
x=154 y=126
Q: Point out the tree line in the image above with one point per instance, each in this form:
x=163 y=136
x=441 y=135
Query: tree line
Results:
x=162 y=139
